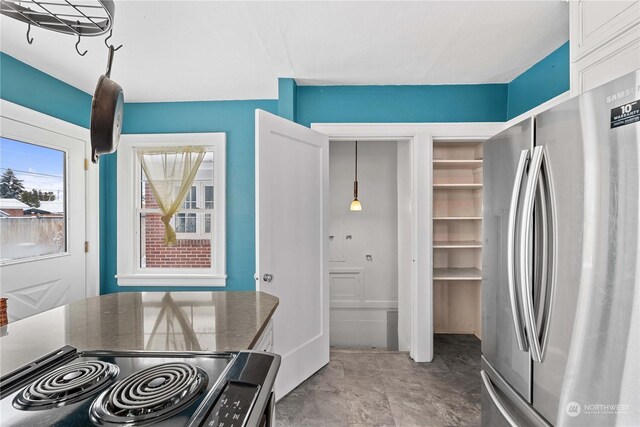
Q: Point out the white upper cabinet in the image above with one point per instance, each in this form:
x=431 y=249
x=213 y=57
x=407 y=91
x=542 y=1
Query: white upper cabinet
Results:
x=605 y=42
x=595 y=23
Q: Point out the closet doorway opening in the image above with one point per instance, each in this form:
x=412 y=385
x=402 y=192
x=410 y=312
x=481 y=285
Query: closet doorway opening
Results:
x=457 y=243
x=370 y=250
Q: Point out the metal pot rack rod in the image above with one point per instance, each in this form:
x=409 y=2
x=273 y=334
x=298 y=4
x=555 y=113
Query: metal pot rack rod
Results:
x=80 y=18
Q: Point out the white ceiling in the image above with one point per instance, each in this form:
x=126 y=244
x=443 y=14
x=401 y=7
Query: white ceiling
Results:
x=206 y=50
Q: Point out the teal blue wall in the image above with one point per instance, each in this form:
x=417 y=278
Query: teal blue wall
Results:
x=439 y=103
x=237 y=119
x=29 y=87
x=287 y=98
x=402 y=104
x=545 y=80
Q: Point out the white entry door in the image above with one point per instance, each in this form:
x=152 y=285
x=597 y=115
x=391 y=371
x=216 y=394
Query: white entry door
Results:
x=42 y=218
x=292 y=242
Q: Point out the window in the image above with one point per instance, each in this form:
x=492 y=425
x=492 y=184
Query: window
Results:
x=208 y=204
x=32 y=201
x=193 y=225
x=198 y=257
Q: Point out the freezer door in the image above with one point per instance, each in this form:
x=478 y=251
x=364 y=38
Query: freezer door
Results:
x=492 y=415
x=590 y=372
x=504 y=171
x=502 y=406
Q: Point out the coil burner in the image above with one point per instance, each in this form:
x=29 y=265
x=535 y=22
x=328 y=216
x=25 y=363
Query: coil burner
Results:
x=134 y=388
x=150 y=395
x=67 y=384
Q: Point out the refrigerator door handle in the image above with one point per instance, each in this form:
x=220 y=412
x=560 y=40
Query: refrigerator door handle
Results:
x=548 y=255
x=526 y=288
x=536 y=344
x=547 y=261
x=496 y=400
x=511 y=249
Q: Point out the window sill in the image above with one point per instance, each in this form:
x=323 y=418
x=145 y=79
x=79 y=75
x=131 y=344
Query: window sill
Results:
x=177 y=280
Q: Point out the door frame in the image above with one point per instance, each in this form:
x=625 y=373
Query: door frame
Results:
x=420 y=137
x=18 y=113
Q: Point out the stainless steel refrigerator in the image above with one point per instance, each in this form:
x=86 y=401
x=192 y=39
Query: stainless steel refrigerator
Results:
x=561 y=264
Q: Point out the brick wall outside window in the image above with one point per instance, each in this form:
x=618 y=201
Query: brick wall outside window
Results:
x=187 y=253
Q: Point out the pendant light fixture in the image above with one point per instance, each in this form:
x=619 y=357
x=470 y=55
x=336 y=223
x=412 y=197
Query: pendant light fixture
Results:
x=355 y=204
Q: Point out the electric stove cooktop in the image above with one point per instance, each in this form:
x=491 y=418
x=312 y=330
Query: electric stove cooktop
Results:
x=119 y=388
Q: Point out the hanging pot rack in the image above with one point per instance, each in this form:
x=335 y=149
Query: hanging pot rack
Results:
x=81 y=18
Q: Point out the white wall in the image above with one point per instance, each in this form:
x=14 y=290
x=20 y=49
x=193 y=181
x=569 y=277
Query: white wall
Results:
x=362 y=292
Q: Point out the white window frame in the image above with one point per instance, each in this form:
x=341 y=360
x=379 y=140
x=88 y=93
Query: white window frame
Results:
x=129 y=195
x=200 y=233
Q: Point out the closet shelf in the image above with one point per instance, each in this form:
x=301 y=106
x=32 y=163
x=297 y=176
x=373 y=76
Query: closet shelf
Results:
x=457 y=218
x=457 y=274
x=457 y=244
x=456 y=186
x=457 y=164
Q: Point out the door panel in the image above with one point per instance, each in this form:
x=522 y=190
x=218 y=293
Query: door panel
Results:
x=292 y=242
x=593 y=350
x=43 y=259
x=499 y=345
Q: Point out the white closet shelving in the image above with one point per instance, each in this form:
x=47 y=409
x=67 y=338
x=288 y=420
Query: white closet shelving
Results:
x=459 y=244
x=457 y=218
x=457 y=236
x=457 y=274
x=457 y=186
x=457 y=164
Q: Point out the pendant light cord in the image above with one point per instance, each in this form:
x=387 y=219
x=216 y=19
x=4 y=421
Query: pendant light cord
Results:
x=355 y=182
x=356 y=160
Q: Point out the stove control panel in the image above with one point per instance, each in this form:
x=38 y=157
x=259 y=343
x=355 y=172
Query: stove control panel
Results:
x=242 y=395
x=233 y=406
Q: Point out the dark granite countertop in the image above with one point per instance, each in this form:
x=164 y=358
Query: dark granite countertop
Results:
x=161 y=321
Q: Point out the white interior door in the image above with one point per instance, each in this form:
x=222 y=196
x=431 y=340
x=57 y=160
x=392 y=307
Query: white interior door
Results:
x=42 y=259
x=292 y=242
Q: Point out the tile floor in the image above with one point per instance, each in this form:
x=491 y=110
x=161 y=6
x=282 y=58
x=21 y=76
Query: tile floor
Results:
x=379 y=388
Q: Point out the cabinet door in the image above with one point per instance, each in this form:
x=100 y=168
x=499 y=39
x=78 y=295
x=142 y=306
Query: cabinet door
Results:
x=596 y=23
x=620 y=57
x=265 y=342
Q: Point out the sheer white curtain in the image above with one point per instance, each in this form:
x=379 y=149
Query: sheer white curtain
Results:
x=170 y=172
